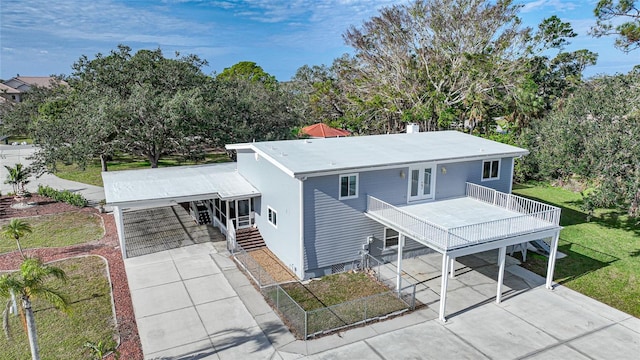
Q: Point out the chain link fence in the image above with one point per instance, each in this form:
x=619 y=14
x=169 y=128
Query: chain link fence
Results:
x=306 y=324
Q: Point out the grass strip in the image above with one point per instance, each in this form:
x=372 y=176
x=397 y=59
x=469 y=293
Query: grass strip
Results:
x=57 y=230
x=61 y=336
x=603 y=251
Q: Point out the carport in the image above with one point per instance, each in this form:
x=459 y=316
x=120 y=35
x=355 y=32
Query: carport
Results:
x=216 y=194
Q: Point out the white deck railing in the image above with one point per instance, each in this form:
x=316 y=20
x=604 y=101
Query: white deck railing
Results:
x=532 y=208
x=535 y=216
x=415 y=227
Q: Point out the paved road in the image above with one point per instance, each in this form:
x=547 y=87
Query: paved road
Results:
x=11 y=155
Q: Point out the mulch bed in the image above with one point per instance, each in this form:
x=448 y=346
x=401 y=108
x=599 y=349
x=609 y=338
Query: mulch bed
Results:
x=272 y=265
x=107 y=247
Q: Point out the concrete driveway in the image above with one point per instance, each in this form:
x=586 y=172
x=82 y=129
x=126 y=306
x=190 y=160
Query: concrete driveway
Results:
x=194 y=303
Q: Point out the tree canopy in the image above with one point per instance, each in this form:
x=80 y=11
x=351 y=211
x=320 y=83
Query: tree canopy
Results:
x=620 y=18
x=594 y=135
x=442 y=63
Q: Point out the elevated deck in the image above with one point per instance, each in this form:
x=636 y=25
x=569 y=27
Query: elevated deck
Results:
x=484 y=215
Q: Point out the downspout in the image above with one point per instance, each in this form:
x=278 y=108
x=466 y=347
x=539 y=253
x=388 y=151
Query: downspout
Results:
x=301 y=228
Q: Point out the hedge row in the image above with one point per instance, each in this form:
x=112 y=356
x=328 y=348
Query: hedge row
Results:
x=63 y=196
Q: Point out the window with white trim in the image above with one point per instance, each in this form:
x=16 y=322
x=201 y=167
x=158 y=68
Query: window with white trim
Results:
x=490 y=170
x=391 y=238
x=272 y=216
x=348 y=186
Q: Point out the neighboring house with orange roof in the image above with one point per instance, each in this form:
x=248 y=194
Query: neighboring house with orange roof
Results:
x=322 y=130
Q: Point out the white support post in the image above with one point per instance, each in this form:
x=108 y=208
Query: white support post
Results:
x=117 y=213
x=552 y=260
x=502 y=255
x=399 y=269
x=452 y=273
x=443 y=286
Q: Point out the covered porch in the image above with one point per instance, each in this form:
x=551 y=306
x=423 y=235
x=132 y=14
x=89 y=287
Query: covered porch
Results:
x=485 y=219
x=212 y=194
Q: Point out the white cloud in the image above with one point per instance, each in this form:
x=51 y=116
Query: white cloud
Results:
x=556 y=5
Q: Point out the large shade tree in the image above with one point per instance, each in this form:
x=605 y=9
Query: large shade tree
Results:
x=593 y=136
x=143 y=103
x=27 y=284
x=437 y=62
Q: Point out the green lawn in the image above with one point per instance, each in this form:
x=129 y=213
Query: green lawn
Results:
x=62 y=336
x=603 y=252
x=91 y=174
x=340 y=300
x=57 y=230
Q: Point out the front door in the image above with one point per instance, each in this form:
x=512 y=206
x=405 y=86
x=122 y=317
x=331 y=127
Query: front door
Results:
x=421 y=182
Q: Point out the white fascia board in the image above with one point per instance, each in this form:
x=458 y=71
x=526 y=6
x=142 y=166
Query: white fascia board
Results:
x=491 y=245
x=163 y=201
x=513 y=155
x=249 y=146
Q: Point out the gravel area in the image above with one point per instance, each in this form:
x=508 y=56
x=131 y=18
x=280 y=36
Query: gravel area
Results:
x=108 y=247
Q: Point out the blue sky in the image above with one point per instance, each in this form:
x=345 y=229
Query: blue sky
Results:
x=44 y=37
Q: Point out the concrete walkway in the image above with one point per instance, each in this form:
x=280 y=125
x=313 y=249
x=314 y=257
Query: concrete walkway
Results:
x=194 y=303
x=11 y=155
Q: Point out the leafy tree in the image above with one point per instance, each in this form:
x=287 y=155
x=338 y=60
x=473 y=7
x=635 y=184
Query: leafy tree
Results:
x=608 y=12
x=594 y=135
x=16 y=229
x=436 y=61
x=29 y=283
x=317 y=95
x=142 y=103
x=17 y=118
x=246 y=110
x=250 y=71
x=18 y=177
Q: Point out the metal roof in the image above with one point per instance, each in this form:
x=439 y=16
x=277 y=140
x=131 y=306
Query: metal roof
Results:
x=318 y=156
x=183 y=183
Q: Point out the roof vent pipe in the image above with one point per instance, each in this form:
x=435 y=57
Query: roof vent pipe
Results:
x=413 y=128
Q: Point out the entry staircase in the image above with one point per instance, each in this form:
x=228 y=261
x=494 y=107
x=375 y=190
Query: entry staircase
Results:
x=250 y=239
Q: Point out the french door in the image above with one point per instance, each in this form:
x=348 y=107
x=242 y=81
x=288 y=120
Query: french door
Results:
x=421 y=182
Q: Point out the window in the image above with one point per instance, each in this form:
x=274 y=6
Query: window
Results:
x=272 y=216
x=490 y=170
x=391 y=238
x=348 y=186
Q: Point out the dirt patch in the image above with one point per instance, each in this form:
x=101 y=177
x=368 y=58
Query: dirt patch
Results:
x=270 y=263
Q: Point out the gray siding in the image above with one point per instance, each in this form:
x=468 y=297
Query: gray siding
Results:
x=335 y=230
x=280 y=192
x=452 y=183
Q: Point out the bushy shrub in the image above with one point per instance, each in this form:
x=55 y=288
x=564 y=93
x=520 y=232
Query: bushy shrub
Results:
x=63 y=196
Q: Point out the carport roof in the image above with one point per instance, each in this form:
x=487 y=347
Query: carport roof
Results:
x=175 y=184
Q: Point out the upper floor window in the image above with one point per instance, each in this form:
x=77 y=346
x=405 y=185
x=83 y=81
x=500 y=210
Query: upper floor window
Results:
x=272 y=216
x=490 y=170
x=348 y=186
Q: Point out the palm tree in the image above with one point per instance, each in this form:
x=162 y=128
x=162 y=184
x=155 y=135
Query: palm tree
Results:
x=18 y=177
x=29 y=283
x=16 y=229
